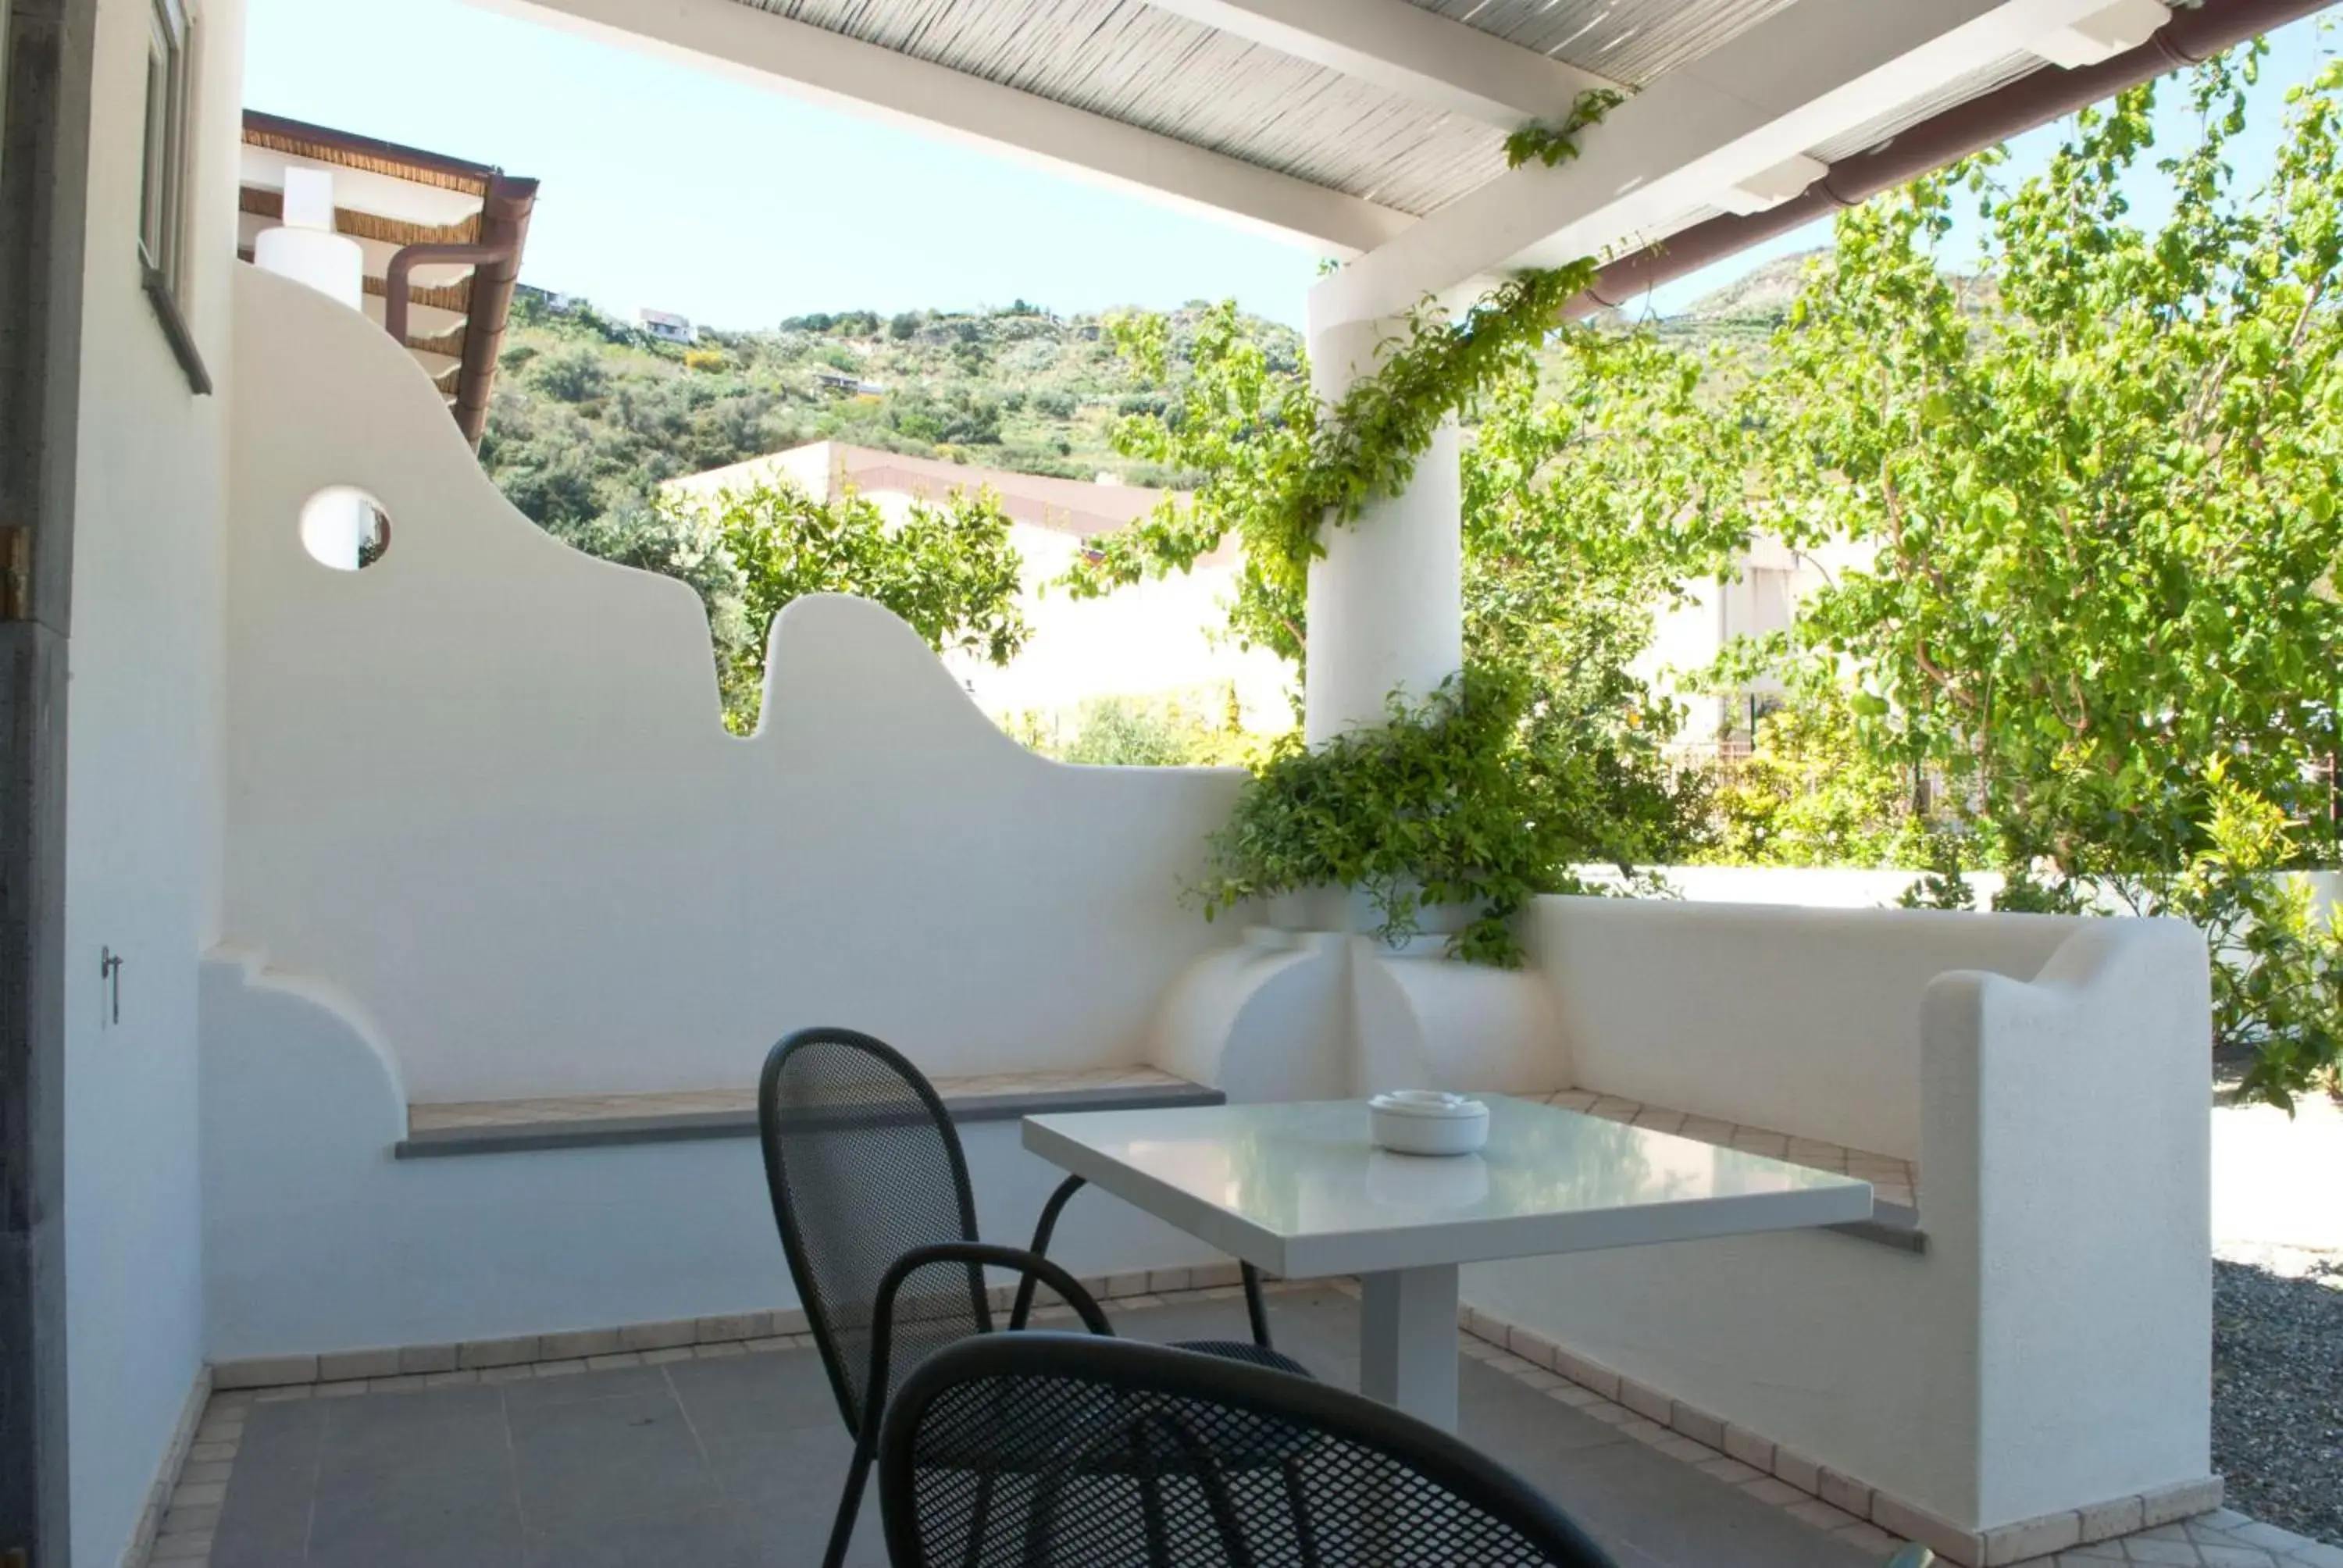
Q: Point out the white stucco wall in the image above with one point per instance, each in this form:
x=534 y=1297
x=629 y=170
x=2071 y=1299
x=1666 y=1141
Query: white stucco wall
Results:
x=1805 y=1020
x=481 y=787
x=141 y=804
x=2050 y=1347
x=318 y=1240
x=1151 y=638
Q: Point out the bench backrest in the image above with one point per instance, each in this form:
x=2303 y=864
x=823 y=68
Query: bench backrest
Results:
x=1803 y=1020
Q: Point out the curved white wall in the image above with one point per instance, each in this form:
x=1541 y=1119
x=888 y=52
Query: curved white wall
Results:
x=481 y=787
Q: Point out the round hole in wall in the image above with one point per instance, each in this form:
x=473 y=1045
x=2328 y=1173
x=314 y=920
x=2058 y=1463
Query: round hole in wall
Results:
x=344 y=528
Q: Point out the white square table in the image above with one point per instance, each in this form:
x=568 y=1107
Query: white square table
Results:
x=1301 y=1191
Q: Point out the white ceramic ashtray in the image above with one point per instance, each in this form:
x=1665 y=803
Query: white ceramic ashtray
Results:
x=1428 y=1121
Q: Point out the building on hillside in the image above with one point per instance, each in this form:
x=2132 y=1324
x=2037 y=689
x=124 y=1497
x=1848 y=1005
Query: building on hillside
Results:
x=438 y=240
x=1153 y=640
x=1763 y=598
x=846 y=384
x=666 y=327
x=549 y=300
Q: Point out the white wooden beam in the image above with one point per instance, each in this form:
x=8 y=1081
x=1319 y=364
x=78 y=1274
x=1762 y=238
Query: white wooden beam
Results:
x=1417 y=52
x=830 y=69
x=1804 y=75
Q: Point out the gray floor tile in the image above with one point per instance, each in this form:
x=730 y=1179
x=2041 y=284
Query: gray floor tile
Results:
x=577 y=1388
x=424 y=1433
x=250 y=1534
x=738 y=1462
x=786 y=1388
x=281 y=1437
x=604 y=1459
x=797 y=1471
x=701 y=1538
x=1504 y=1416
x=265 y=1516
x=430 y=1519
x=1630 y=1493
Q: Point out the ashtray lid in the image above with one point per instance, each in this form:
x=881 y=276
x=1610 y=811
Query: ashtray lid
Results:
x=1432 y=1103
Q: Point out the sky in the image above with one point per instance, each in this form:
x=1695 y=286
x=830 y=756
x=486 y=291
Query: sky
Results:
x=671 y=187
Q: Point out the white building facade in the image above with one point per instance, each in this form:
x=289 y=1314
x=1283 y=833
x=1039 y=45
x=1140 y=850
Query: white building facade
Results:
x=1164 y=638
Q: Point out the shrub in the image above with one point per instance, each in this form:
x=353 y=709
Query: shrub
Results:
x=570 y=375
x=1476 y=797
x=1122 y=731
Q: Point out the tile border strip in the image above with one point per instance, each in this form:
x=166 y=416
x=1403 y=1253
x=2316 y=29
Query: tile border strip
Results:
x=411 y=1365
x=1813 y=1491
x=167 y=1472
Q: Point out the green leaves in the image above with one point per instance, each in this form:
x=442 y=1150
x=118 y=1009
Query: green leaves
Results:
x=1276 y=468
x=1479 y=796
x=949 y=571
x=1551 y=145
x=2100 y=501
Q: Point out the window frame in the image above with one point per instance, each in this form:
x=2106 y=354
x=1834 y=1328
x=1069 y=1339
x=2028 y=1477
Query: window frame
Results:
x=163 y=150
x=166 y=132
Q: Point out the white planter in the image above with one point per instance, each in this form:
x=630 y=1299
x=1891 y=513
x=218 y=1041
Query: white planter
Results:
x=1351 y=910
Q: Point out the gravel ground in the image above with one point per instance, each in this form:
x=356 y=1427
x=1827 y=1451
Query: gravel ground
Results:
x=2278 y=1386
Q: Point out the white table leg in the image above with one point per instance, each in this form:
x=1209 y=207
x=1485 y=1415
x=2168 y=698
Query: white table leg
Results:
x=1407 y=1342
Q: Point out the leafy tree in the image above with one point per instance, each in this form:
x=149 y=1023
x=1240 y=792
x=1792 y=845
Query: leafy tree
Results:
x=2106 y=510
x=950 y=570
x=1812 y=793
x=2105 y=513
x=1243 y=430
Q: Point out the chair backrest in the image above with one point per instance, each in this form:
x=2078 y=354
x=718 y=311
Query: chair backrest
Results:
x=1058 y=1450
x=864 y=1165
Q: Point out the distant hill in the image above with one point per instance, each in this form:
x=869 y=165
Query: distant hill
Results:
x=1760 y=299
x=591 y=413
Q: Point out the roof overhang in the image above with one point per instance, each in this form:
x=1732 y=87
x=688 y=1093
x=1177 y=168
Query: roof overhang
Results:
x=391 y=199
x=1374 y=129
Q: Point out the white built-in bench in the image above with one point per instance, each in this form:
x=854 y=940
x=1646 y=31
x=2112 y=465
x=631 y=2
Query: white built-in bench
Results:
x=602 y=1121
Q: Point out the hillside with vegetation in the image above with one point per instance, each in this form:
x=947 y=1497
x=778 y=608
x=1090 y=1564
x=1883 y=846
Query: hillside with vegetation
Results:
x=591 y=413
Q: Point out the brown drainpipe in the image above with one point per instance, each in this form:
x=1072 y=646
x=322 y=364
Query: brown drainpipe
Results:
x=2030 y=101
x=496 y=262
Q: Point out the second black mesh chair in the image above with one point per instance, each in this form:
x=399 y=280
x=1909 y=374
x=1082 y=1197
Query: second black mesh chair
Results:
x=870 y=1190
x=1054 y=1451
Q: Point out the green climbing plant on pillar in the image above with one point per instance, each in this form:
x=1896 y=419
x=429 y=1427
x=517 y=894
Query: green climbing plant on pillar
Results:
x=1481 y=795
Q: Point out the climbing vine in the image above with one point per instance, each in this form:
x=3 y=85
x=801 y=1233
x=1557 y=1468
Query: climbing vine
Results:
x=1277 y=467
x=1553 y=144
x=1480 y=796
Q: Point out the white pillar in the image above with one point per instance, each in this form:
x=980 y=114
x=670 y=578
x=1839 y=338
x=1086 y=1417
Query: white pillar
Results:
x=1386 y=601
x=306 y=248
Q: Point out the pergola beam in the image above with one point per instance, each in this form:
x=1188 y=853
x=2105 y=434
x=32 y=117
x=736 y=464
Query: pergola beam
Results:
x=830 y=68
x=1796 y=81
x=1416 y=53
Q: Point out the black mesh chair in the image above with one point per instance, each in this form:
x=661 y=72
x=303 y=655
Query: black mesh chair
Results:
x=1058 y=1451
x=872 y=1194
